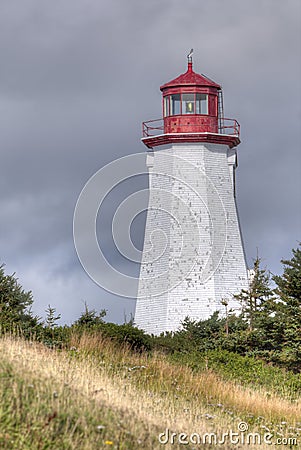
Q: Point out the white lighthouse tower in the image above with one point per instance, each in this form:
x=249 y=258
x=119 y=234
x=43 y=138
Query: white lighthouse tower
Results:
x=193 y=258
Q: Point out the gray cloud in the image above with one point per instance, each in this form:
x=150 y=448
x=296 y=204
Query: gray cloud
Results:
x=76 y=81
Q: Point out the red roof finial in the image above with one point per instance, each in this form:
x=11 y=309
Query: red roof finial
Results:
x=189 y=57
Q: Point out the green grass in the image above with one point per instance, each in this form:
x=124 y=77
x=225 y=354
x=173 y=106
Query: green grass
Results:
x=99 y=395
x=38 y=412
x=246 y=370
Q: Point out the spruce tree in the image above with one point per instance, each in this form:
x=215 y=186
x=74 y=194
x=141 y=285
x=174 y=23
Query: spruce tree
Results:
x=15 y=304
x=258 y=300
x=51 y=318
x=289 y=284
x=288 y=291
x=90 y=318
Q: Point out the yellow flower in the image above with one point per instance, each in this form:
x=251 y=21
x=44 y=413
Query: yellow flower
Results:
x=109 y=443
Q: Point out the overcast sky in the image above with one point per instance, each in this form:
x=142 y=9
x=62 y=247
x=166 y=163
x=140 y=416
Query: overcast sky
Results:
x=78 y=77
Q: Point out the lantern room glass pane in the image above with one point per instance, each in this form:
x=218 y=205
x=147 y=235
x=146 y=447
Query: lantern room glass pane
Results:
x=201 y=103
x=175 y=104
x=188 y=104
x=166 y=106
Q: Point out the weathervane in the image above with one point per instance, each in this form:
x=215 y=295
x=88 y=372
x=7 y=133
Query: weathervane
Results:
x=189 y=56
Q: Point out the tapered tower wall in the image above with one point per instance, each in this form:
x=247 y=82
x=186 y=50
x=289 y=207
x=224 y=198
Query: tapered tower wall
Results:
x=193 y=255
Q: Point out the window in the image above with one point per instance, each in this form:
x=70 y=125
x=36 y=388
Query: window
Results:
x=188 y=104
x=201 y=103
x=166 y=106
x=175 y=104
x=193 y=103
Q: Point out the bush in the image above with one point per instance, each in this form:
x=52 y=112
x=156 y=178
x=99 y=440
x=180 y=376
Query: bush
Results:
x=135 y=338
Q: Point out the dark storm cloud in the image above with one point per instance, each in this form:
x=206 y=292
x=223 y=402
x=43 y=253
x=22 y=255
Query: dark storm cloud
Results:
x=76 y=80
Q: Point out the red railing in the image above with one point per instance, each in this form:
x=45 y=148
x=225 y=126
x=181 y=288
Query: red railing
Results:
x=152 y=127
x=229 y=126
x=156 y=127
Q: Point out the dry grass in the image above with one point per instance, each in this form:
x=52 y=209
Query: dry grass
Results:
x=133 y=397
x=206 y=387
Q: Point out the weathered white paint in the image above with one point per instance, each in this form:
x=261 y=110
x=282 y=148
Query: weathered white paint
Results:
x=192 y=297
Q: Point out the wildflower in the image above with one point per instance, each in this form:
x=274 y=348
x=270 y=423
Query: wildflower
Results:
x=100 y=427
x=109 y=443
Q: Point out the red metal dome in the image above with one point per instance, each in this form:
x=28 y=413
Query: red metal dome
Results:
x=190 y=78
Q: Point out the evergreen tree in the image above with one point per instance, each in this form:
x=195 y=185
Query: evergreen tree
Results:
x=15 y=304
x=289 y=312
x=258 y=301
x=51 y=318
x=90 y=318
x=289 y=284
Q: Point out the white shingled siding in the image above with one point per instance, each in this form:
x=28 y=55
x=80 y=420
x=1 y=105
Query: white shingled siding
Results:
x=200 y=199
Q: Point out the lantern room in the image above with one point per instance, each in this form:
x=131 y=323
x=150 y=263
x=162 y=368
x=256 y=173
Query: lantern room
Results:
x=192 y=112
x=190 y=103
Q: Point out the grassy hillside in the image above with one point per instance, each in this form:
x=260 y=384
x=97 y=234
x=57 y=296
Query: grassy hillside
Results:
x=97 y=395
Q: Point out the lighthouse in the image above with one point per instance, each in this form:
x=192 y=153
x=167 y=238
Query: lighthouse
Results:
x=193 y=260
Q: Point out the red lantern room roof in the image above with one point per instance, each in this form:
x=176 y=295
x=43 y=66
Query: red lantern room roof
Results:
x=190 y=78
